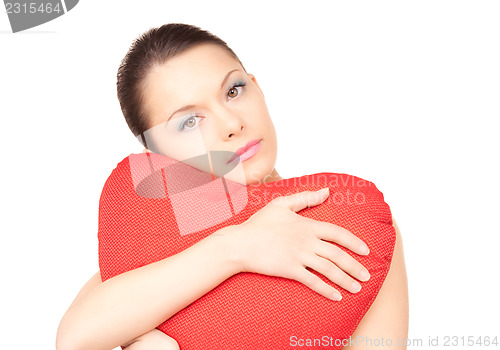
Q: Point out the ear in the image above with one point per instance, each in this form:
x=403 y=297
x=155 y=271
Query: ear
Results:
x=255 y=81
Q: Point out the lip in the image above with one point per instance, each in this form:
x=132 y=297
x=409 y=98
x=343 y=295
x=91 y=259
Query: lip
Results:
x=246 y=151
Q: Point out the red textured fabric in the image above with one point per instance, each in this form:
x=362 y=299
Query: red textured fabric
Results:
x=139 y=223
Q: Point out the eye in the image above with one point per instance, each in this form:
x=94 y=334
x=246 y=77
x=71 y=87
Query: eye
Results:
x=189 y=122
x=235 y=90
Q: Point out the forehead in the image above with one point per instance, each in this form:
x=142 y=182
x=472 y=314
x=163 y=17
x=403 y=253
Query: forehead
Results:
x=201 y=58
x=189 y=74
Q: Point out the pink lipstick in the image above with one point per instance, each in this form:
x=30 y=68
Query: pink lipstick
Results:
x=246 y=151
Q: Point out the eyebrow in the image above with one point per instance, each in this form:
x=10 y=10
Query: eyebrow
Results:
x=191 y=106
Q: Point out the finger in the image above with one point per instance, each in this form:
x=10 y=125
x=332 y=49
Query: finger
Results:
x=344 y=261
x=304 y=199
x=315 y=283
x=339 y=235
x=333 y=273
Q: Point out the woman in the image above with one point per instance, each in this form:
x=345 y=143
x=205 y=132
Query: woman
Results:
x=184 y=93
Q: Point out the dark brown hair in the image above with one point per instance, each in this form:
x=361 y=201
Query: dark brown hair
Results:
x=154 y=47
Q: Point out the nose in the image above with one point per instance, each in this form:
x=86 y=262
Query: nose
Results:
x=231 y=125
x=236 y=132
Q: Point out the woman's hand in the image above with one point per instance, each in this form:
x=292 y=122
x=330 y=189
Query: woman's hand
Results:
x=276 y=241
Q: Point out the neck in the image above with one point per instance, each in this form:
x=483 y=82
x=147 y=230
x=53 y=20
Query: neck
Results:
x=274 y=176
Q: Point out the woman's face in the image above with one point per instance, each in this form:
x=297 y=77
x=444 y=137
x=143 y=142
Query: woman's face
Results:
x=203 y=102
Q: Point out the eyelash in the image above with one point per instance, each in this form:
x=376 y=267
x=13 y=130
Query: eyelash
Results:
x=239 y=83
x=184 y=121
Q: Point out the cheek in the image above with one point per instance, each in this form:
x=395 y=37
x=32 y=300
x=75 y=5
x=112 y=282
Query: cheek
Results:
x=256 y=112
x=179 y=146
x=267 y=124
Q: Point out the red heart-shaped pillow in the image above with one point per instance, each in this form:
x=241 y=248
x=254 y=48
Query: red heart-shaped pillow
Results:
x=152 y=207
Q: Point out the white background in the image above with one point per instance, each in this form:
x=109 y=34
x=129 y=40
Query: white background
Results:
x=405 y=94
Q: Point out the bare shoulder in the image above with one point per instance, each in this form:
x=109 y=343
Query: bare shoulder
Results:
x=388 y=316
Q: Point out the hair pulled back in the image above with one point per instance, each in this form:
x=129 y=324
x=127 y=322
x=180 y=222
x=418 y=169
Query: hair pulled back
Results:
x=155 y=47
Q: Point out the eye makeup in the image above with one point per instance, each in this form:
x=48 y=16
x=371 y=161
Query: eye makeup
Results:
x=236 y=84
x=182 y=124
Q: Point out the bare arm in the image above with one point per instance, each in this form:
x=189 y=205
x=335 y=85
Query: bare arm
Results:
x=153 y=339
x=90 y=322
x=387 y=318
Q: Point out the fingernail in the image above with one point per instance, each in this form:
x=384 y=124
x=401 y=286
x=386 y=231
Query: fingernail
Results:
x=356 y=287
x=324 y=190
x=363 y=249
x=364 y=275
x=336 y=296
